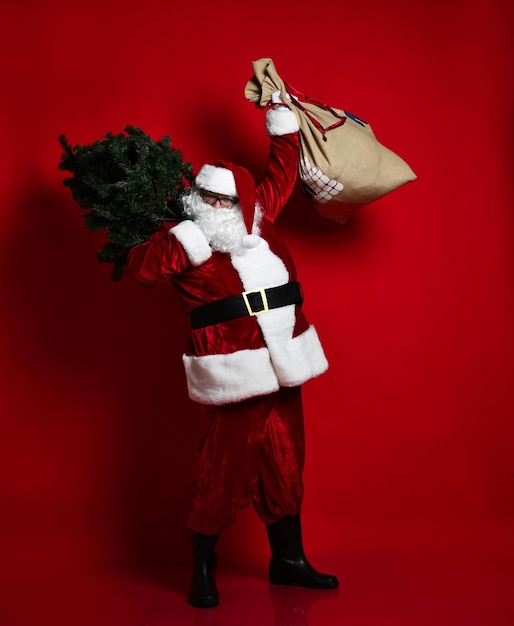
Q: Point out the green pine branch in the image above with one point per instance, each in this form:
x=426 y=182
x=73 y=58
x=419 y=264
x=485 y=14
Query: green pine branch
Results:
x=127 y=184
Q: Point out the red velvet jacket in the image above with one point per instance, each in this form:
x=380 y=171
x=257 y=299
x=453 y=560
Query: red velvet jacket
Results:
x=248 y=356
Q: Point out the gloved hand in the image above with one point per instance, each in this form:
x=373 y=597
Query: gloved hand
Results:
x=276 y=99
x=280 y=120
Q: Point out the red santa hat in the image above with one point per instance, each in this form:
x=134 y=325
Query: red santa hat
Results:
x=230 y=180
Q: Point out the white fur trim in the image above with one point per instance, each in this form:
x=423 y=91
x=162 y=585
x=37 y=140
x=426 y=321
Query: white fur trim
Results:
x=258 y=267
x=226 y=378
x=295 y=360
x=298 y=359
x=216 y=179
x=193 y=240
x=281 y=121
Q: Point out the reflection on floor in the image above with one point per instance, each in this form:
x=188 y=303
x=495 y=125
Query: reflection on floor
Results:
x=376 y=590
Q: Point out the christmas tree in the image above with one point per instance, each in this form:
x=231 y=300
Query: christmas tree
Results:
x=128 y=184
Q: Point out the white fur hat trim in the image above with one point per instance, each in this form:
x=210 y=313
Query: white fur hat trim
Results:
x=216 y=179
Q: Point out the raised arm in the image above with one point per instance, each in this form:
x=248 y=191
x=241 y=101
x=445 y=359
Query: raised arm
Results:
x=282 y=165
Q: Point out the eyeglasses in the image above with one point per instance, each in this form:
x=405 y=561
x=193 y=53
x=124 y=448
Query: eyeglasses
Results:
x=211 y=198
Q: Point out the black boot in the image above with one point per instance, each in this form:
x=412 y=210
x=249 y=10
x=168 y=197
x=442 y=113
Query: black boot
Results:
x=203 y=592
x=289 y=565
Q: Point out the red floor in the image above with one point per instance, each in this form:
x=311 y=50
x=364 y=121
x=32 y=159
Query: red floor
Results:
x=376 y=590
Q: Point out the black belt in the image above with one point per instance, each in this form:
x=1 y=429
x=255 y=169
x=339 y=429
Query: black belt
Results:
x=247 y=303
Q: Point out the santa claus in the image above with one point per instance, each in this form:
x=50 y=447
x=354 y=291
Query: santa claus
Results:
x=249 y=351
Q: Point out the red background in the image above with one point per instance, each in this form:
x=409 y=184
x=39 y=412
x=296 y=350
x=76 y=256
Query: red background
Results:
x=410 y=433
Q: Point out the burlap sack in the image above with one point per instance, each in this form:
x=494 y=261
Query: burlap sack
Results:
x=341 y=164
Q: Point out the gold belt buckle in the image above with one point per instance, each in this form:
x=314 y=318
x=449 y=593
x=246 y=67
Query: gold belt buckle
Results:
x=248 y=305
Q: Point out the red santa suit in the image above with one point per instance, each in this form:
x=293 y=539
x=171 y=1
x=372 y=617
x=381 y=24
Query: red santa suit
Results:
x=248 y=370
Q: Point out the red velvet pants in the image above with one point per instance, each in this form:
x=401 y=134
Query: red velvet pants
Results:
x=251 y=451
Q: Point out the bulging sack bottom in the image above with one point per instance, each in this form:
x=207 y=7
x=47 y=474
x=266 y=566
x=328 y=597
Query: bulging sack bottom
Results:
x=350 y=166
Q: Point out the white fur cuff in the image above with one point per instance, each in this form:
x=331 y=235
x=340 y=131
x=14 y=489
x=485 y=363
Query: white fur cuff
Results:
x=193 y=241
x=281 y=121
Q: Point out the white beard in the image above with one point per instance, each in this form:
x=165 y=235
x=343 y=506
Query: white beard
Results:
x=224 y=228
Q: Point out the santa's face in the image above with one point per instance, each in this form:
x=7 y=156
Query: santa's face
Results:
x=223 y=226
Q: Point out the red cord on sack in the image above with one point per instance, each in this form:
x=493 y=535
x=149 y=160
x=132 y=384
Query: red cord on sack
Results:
x=297 y=95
